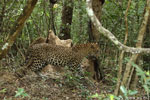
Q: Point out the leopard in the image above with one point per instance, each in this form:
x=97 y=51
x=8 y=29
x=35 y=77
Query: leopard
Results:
x=40 y=55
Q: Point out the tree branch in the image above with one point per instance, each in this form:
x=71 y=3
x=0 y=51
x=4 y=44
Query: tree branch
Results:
x=17 y=27
x=110 y=36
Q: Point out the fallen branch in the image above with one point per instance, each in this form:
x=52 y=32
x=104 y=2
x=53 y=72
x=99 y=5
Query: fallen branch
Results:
x=110 y=36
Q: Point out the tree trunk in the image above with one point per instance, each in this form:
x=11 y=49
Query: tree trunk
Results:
x=17 y=27
x=67 y=14
x=94 y=33
x=52 y=21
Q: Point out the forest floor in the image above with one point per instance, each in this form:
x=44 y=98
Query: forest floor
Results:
x=66 y=87
x=32 y=87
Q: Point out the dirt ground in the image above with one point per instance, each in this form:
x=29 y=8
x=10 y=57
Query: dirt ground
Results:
x=39 y=88
x=66 y=87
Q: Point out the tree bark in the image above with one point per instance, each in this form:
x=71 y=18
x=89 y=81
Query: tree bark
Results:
x=67 y=14
x=16 y=29
x=97 y=8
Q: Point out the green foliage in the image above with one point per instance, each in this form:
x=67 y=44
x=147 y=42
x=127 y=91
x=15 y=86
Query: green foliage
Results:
x=114 y=20
x=77 y=81
x=44 y=98
x=72 y=80
x=21 y=93
x=144 y=77
x=105 y=97
x=79 y=27
x=127 y=93
x=96 y=96
x=38 y=24
x=3 y=90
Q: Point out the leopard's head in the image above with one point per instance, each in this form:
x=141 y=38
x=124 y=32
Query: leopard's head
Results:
x=93 y=49
x=89 y=49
